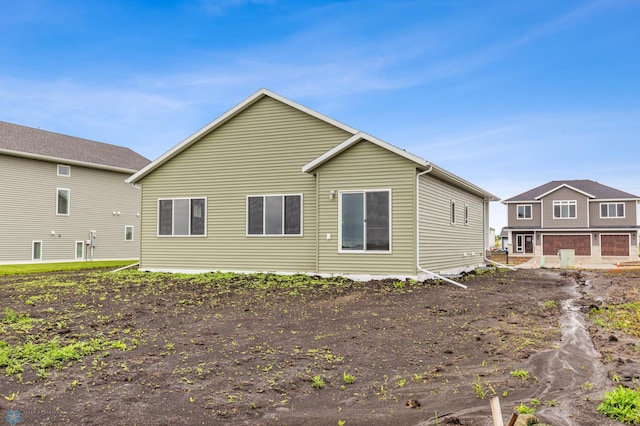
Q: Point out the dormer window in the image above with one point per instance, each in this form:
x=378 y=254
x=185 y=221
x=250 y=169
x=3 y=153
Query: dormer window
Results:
x=564 y=209
x=64 y=170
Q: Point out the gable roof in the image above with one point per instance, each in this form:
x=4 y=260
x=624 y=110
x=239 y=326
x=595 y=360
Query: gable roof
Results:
x=186 y=143
x=590 y=188
x=360 y=136
x=27 y=142
x=356 y=137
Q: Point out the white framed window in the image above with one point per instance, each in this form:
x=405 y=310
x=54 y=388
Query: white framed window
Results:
x=182 y=217
x=63 y=201
x=79 y=250
x=64 y=170
x=453 y=212
x=36 y=250
x=365 y=221
x=611 y=210
x=466 y=214
x=128 y=232
x=274 y=215
x=524 y=211
x=519 y=243
x=564 y=209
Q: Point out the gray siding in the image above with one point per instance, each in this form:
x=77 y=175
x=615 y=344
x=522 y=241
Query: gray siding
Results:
x=28 y=211
x=260 y=151
x=629 y=218
x=443 y=245
x=536 y=216
x=582 y=209
x=366 y=166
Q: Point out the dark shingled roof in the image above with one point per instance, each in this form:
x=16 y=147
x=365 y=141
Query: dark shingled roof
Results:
x=598 y=190
x=36 y=142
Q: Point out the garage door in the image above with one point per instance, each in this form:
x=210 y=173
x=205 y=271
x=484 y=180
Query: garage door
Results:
x=615 y=245
x=551 y=244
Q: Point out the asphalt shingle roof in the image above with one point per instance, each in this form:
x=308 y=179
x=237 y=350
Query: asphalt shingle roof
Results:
x=598 y=190
x=28 y=140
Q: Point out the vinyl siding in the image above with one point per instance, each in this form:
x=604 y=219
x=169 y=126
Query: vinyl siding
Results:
x=582 y=209
x=365 y=166
x=536 y=216
x=628 y=220
x=442 y=244
x=259 y=152
x=28 y=211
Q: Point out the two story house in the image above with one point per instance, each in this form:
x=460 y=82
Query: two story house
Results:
x=65 y=198
x=598 y=222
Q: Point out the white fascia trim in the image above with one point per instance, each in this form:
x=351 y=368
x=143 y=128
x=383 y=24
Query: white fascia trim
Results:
x=360 y=136
x=226 y=117
x=564 y=185
x=522 y=202
x=613 y=200
x=457 y=180
x=65 y=161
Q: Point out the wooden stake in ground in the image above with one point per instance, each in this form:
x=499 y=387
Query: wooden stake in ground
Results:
x=496 y=412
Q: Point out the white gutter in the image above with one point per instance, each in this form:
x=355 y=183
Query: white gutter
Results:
x=500 y=264
x=442 y=278
x=420 y=268
x=126 y=267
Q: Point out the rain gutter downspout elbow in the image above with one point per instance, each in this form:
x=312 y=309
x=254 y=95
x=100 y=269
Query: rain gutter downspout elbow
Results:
x=500 y=264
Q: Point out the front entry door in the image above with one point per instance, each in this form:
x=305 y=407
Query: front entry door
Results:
x=528 y=244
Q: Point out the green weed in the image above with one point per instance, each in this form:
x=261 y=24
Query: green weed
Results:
x=622 y=404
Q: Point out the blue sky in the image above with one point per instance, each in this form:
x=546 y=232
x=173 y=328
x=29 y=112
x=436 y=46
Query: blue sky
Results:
x=506 y=94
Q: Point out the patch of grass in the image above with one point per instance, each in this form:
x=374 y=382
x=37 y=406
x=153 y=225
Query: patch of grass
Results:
x=622 y=404
x=624 y=317
x=34 y=268
x=317 y=382
x=348 y=378
x=52 y=354
x=522 y=374
x=525 y=409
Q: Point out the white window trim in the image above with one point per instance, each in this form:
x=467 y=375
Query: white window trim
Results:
x=364 y=251
x=62 y=174
x=173 y=214
x=33 y=246
x=520 y=243
x=263 y=235
x=624 y=211
x=568 y=203
x=75 y=247
x=133 y=235
x=530 y=210
x=68 y=213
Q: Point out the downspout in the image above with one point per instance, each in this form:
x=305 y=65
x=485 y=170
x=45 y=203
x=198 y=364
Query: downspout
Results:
x=420 y=268
x=317 y=223
x=486 y=221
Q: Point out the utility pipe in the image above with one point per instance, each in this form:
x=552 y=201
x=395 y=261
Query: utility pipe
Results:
x=499 y=264
x=440 y=277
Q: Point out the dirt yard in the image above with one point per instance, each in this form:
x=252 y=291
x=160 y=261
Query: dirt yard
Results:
x=268 y=350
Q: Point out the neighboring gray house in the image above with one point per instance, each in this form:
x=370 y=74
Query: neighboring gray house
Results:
x=65 y=198
x=599 y=222
x=274 y=186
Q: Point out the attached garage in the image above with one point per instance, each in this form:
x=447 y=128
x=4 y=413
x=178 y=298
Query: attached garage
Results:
x=551 y=244
x=615 y=245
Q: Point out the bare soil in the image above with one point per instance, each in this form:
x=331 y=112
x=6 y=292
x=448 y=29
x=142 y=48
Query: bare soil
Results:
x=419 y=353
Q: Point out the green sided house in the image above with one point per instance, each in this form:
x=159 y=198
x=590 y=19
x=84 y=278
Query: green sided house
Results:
x=273 y=186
